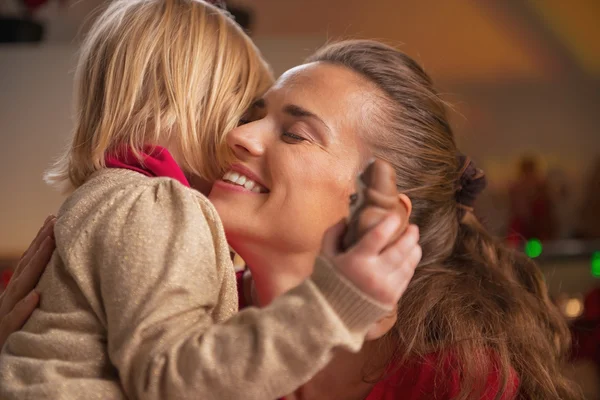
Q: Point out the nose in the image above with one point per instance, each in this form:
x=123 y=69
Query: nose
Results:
x=246 y=141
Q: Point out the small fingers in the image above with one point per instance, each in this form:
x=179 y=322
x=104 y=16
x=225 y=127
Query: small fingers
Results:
x=413 y=259
x=395 y=254
x=377 y=238
x=404 y=274
x=333 y=238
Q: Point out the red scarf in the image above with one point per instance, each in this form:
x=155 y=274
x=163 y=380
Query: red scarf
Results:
x=155 y=161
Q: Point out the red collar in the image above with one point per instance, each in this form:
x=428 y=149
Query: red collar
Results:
x=154 y=161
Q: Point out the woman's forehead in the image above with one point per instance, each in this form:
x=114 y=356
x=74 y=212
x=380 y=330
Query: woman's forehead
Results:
x=337 y=95
x=318 y=76
x=332 y=91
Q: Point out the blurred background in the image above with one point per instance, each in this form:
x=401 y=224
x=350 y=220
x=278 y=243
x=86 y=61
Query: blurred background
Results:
x=522 y=78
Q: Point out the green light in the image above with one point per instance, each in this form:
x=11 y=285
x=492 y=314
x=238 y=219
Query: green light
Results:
x=596 y=264
x=533 y=248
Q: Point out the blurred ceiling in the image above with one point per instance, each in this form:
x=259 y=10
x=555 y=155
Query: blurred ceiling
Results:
x=576 y=26
x=456 y=40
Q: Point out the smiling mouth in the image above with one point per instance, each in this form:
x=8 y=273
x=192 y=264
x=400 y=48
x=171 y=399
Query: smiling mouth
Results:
x=235 y=178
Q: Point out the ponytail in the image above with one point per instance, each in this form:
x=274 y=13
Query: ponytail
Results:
x=534 y=325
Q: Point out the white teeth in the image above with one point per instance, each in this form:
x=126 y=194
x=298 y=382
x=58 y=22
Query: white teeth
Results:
x=242 y=180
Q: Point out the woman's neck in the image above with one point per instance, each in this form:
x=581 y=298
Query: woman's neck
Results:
x=274 y=274
x=344 y=378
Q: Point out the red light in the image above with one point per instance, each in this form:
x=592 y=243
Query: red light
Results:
x=5 y=276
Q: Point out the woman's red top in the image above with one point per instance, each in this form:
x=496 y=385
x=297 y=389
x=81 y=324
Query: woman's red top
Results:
x=424 y=380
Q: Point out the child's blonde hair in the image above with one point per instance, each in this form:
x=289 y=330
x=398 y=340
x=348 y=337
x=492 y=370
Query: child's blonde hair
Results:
x=176 y=73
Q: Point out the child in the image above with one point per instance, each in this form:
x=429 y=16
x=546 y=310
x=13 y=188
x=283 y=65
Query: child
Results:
x=139 y=298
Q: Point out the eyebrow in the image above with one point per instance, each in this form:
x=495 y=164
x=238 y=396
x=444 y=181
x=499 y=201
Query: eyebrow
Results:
x=296 y=111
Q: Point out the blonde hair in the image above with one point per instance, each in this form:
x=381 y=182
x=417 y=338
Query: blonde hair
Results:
x=176 y=73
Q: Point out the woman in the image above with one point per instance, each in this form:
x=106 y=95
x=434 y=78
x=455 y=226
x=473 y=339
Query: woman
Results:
x=476 y=312
x=476 y=320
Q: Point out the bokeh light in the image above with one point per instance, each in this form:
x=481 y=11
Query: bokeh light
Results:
x=596 y=264
x=573 y=308
x=533 y=248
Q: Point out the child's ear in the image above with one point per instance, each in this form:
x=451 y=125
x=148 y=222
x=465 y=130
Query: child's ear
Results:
x=381 y=327
x=405 y=201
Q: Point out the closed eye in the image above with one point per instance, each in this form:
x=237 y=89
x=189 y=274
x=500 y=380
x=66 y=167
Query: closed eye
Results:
x=292 y=137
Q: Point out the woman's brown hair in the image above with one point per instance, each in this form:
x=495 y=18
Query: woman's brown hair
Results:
x=471 y=297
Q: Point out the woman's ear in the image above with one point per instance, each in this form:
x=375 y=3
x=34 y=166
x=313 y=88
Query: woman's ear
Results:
x=381 y=327
x=405 y=201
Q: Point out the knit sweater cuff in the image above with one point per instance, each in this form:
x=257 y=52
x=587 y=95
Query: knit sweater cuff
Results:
x=356 y=310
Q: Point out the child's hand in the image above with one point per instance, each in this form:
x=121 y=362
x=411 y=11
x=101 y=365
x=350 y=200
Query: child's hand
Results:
x=381 y=272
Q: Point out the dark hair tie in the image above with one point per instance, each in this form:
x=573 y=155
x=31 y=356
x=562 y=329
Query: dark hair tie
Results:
x=471 y=182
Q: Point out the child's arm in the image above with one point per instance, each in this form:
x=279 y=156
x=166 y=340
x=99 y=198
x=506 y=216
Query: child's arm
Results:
x=163 y=267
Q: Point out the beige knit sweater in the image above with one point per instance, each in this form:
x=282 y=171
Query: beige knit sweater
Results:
x=139 y=301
